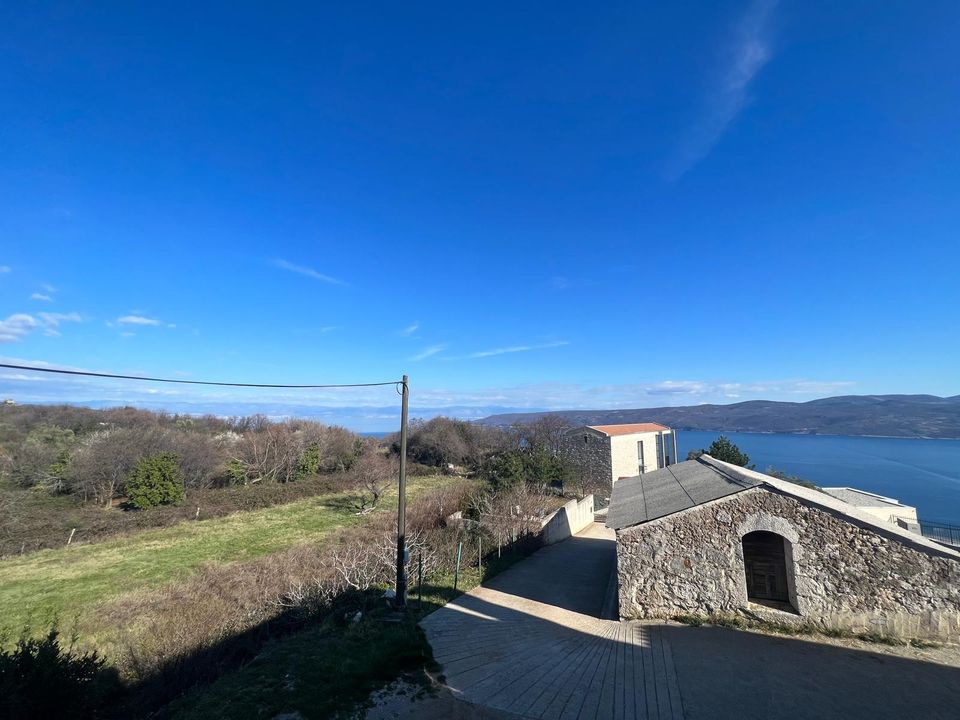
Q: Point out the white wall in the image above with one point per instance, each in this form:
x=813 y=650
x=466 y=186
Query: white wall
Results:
x=567 y=521
x=624 y=456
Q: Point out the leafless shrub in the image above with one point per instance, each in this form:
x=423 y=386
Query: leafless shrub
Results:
x=288 y=451
x=510 y=513
x=100 y=464
x=373 y=473
x=201 y=458
x=547 y=432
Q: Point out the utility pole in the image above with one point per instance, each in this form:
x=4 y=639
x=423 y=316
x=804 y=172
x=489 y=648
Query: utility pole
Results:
x=401 y=599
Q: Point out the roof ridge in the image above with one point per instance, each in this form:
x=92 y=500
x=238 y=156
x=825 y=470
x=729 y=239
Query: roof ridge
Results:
x=728 y=471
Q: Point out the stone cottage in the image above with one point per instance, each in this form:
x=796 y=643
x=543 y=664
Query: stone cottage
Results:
x=706 y=537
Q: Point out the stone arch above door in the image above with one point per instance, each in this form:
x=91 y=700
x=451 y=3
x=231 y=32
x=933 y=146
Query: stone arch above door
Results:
x=793 y=552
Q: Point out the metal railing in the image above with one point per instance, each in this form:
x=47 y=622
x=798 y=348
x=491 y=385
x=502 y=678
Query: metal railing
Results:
x=940 y=532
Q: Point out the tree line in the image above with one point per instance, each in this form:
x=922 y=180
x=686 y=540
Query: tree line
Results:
x=142 y=458
x=99 y=456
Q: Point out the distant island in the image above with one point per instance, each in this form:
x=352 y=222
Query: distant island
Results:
x=908 y=416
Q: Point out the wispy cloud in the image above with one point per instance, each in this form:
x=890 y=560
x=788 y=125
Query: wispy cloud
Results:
x=5 y=269
x=428 y=352
x=409 y=329
x=41 y=297
x=306 y=271
x=15 y=327
x=51 y=321
x=137 y=320
x=510 y=349
x=750 y=51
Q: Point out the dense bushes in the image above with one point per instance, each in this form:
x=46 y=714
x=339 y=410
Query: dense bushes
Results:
x=155 y=480
x=532 y=466
x=92 y=453
x=40 y=678
x=445 y=441
x=531 y=453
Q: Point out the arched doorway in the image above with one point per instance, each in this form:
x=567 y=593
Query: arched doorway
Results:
x=765 y=562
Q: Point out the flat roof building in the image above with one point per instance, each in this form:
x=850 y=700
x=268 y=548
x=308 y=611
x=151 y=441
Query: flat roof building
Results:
x=602 y=454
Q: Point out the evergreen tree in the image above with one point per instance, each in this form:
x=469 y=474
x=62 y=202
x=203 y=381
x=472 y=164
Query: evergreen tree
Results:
x=156 y=480
x=723 y=449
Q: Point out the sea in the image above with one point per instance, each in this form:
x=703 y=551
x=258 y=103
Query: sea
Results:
x=917 y=472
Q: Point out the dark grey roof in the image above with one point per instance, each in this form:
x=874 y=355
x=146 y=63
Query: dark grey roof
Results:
x=671 y=489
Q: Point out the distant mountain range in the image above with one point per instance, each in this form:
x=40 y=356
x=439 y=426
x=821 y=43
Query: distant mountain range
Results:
x=916 y=416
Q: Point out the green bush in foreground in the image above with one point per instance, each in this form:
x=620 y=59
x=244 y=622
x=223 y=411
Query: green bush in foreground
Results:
x=156 y=480
x=40 y=678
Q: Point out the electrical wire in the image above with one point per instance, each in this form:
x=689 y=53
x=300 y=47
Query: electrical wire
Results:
x=117 y=376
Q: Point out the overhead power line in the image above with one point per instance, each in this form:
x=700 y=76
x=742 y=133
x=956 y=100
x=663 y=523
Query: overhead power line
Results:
x=117 y=376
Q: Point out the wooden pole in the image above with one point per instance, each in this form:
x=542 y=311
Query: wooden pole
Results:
x=70 y=539
x=401 y=599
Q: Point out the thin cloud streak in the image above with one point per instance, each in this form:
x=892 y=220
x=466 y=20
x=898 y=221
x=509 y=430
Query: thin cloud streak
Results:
x=137 y=320
x=750 y=53
x=41 y=297
x=512 y=349
x=428 y=352
x=410 y=329
x=306 y=272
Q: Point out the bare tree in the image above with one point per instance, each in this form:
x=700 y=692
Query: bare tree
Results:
x=101 y=464
x=547 y=432
x=373 y=473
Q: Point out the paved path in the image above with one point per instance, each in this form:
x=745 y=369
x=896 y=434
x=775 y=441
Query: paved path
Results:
x=532 y=642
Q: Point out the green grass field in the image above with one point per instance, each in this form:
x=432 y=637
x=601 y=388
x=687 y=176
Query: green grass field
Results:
x=68 y=581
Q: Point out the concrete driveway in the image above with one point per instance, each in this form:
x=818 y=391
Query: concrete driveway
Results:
x=533 y=643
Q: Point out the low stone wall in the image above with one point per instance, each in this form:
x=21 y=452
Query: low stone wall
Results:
x=841 y=574
x=567 y=521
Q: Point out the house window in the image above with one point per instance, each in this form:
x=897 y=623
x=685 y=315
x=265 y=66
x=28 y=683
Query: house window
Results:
x=640 y=460
x=668 y=449
x=765 y=564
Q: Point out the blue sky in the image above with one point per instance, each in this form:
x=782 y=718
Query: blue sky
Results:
x=534 y=205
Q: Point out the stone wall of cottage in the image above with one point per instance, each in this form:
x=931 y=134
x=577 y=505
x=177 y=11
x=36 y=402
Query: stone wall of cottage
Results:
x=589 y=453
x=841 y=574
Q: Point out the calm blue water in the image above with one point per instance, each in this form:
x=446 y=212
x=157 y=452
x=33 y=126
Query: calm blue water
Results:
x=922 y=473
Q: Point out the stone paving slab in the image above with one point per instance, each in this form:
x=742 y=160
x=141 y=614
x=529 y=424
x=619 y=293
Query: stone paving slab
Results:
x=532 y=643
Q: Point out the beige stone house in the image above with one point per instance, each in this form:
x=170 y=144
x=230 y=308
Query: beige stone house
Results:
x=606 y=453
x=705 y=537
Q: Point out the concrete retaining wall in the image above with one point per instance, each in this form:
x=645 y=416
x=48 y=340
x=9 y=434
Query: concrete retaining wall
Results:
x=567 y=521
